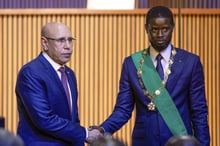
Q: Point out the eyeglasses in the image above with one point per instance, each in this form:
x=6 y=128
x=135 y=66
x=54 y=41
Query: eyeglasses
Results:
x=62 y=41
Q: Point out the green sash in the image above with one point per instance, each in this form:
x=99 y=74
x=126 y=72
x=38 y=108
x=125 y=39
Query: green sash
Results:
x=163 y=102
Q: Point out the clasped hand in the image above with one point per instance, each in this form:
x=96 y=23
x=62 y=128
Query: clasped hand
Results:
x=94 y=133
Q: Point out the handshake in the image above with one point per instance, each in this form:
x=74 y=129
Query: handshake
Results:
x=94 y=133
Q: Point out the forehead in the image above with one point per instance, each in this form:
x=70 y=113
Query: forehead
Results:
x=159 y=21
x=59 y=30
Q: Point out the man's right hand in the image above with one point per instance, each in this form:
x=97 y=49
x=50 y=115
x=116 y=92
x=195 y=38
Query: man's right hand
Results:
x=98 y=128
x=93 y=134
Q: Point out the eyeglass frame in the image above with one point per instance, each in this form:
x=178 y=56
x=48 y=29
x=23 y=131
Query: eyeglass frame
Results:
x=62 y=40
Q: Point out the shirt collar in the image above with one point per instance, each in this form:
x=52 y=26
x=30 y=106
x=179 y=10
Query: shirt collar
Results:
x=165 y=53
x=55 y=65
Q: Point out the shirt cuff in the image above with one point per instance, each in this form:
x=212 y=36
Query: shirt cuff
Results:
x=102 y=130
x=87 y=133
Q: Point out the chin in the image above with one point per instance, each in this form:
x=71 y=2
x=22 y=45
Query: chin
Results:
x=160 y=48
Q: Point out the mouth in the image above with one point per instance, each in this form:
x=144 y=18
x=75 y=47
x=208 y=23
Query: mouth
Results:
x=67 y=54
x=160 y=42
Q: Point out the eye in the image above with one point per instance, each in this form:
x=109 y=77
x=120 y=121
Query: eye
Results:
x=165 y=29
x=61 y=40
x=70 y=40
x=154 y=30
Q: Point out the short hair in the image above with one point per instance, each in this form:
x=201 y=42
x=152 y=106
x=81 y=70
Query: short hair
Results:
x=159 y=11
x=107 y=140
x=183 y=140
x=8 y=138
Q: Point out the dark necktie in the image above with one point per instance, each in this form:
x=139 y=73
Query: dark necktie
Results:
x=64 y=82
x=159 y=66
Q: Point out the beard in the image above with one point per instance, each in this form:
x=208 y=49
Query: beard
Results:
x=158 y=45
x=160 y=48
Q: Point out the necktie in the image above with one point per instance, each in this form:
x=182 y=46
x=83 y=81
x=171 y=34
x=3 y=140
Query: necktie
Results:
x=64 y=82
x=159 y=66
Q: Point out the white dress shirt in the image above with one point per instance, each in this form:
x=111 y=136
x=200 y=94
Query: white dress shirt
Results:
x=165 y=54
x=56 y=67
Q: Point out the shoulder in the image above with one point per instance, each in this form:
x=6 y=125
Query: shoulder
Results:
x=184 y=54
x=137 y=55
x=37 y=67
x=128 y=60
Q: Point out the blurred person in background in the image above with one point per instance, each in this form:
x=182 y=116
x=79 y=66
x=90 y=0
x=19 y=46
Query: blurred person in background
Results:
x=8 y=138
x=183 y=140
x=107 y=140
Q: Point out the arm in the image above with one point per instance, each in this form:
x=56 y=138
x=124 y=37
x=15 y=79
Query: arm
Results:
x=124 y=103
x=198 y=105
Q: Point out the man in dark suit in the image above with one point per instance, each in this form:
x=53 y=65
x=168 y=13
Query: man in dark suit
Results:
x=47 y=95
x=166 y=86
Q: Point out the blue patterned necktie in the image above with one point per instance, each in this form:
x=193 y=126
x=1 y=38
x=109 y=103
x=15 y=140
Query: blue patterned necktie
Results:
x=65 y=86
x=159 y=66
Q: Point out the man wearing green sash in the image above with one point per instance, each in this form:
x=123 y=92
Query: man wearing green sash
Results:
x=166 y=86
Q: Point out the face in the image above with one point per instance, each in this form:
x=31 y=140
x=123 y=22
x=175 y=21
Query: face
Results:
x=58 y=43
x=159 y=32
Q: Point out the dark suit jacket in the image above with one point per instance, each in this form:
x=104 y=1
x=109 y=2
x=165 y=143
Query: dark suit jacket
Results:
x=44 y=116
x=186 y=87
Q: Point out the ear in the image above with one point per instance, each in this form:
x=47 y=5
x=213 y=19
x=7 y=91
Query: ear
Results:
x=44 y=43
x=146 y=28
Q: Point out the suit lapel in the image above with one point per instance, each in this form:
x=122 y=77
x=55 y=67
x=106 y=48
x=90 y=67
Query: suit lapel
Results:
x=71 y=83
x=52 y=74
x=176 y=70
x=50 y=71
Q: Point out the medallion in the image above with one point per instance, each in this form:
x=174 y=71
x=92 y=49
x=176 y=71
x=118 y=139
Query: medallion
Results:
x=151 y=95
x=151 y=106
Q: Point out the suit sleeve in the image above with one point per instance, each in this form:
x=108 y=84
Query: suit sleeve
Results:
x=31 y=91
x=199 y=111
x=124 y=103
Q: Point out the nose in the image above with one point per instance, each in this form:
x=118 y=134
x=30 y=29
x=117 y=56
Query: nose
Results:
x=160 y=33
x=67 y=44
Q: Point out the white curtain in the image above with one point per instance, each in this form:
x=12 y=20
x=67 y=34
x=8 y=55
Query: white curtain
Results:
x=110 y=4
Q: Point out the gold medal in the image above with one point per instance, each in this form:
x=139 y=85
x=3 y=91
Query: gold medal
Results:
x=151 y=106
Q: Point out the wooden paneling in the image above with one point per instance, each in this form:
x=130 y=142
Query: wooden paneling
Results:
x=104 y=39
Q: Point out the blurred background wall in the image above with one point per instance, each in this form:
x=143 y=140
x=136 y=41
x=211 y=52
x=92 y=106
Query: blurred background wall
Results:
x=104 y=38
x=83 y=3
